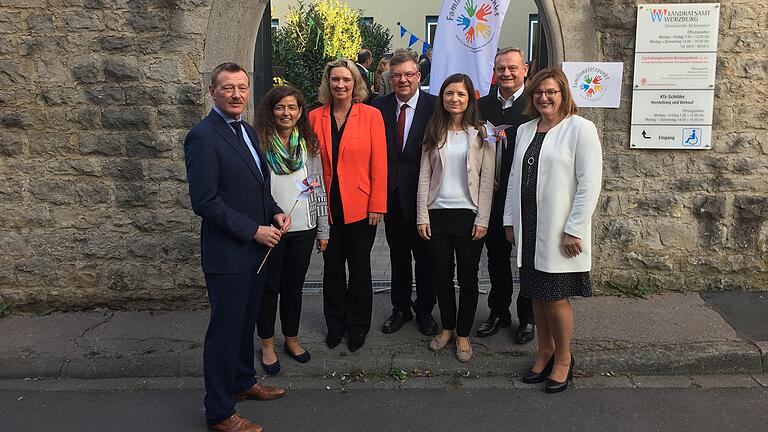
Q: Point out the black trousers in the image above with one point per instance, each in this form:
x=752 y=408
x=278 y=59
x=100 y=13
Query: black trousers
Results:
x=348 y=307
x=286 y=270
x=228 y=350
x=452 y=235
x=405 y=248
x=500 y=273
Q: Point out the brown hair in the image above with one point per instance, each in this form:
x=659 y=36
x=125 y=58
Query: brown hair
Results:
x=437 y=128
x=227 y=67
x=265 y=118
x=400 y=58
x=567 y=107
x=359 y=92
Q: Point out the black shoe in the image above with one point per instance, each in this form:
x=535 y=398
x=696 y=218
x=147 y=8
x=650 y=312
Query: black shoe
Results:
x=427 y=324
x=553 y=386
x=332 y=340
x=492 y=324
x=356 y=342
x=301 y=358
x=396 y=321
x=271 y=369
x=525 y=333
x=532 y=377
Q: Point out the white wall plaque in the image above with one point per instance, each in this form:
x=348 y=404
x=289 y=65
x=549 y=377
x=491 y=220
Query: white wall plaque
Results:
x=674 y=76
x=593 y=84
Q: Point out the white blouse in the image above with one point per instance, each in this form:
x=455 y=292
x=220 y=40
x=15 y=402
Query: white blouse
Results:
x=454 y=189
x=284 y=191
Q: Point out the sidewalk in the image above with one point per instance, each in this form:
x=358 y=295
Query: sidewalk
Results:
x=672 y=334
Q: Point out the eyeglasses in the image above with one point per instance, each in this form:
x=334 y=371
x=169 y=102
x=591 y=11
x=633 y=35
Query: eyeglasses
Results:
x=397 y=76
x=550 y=93
x=501 y=69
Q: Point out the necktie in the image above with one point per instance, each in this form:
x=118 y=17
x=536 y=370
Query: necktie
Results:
x=401 y=126
x=238 y=125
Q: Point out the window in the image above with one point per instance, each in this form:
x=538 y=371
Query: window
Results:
x=275 y=23
x=533 y=34
x=366 y=20
x=431 y=26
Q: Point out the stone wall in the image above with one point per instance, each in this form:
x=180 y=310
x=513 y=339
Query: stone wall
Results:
x=95 y=99
x=96 y=96
x=688 y=220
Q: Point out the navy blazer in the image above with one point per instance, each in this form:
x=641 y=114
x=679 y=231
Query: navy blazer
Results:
x=229 y=194
x=403 y=164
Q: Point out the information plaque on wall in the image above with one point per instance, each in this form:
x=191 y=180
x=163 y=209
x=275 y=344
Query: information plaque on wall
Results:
x=673 y=88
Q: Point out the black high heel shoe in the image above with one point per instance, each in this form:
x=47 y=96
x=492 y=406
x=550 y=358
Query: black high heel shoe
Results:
x=553 y=386
x=532 y=377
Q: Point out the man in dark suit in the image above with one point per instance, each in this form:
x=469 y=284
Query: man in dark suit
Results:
x=364 y=62
x=229 y=189
x=406 y=112
x=505 y=105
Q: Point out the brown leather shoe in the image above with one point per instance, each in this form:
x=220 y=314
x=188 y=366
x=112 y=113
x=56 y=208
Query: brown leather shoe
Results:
x=262 y=393
x=236 y=423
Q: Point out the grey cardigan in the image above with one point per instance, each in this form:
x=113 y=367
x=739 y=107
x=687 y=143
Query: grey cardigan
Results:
x=317 y=201
x=481 y=161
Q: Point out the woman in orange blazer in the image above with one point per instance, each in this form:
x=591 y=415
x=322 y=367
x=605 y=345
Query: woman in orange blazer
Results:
x=353 y=149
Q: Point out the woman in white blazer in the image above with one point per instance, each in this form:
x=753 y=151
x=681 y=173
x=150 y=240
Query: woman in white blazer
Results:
x=453 y=205
x=551 y=196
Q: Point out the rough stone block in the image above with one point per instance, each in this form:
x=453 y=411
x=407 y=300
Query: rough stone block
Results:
x=121 y=69
x=105 y=95
x=100 y=244
x=85 y=118
x=60 y=96
x=52 y=70
x=76 y=21
x=54 y=191
x=11 y=143
x=148 y=20
x=661 y=204
x=187 y=94
x=94 y=192
x=617 y=231
x=169 y=44
x=134 y=194
x=130 y=170
x=751 y=166
x=87 y=71
x=36 y=272
x=101 y=144
x=674 y=234
x=125 y=118
x=10 y=22
x=709 y=207
x=10 y=190
x=162 y=170
x=139 y=94
x=41 y=23
x=20 y=120
x=45 y=143
x=179 y=117
x=145 y=246
x=11 y=74
x=114 y=43
x=164 y=70
x=190 y=21
x=144 y=145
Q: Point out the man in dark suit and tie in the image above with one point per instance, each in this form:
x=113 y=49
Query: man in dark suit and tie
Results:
x=364 y=62
x=505 y=105
x=229 y=189
x=406 y=112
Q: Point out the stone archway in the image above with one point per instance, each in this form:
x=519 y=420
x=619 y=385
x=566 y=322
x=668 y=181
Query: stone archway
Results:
x=231 y=36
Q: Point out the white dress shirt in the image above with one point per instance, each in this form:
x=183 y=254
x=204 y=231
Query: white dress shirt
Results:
x=408 y=113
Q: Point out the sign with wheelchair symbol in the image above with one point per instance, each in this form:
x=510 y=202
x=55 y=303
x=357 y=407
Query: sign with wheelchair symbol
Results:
x=691 y=137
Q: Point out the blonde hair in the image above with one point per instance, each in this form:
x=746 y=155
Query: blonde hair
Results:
x=359 y=91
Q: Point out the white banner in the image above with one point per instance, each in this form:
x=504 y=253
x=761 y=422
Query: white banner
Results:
x=466 y=39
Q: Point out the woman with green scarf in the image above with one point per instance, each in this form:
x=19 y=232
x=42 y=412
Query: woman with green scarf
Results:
x=291 y=150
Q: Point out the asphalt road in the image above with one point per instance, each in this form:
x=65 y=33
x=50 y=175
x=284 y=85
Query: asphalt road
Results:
x=595 y=409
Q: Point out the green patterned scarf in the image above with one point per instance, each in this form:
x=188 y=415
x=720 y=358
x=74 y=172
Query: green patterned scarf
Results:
x=286 y=160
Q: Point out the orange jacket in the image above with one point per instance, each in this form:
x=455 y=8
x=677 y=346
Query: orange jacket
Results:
x=362 y=159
